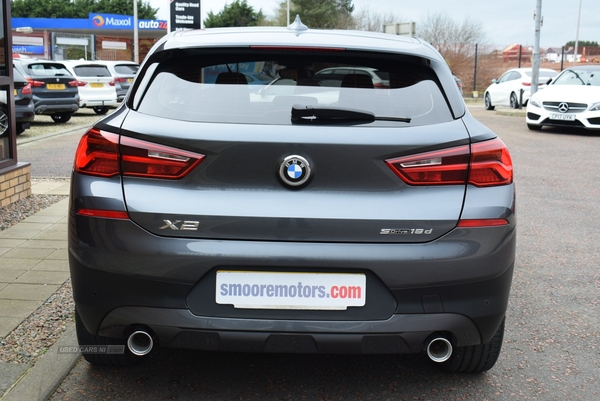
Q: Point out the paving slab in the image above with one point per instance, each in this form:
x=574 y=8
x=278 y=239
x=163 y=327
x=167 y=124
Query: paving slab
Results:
x=28 y=292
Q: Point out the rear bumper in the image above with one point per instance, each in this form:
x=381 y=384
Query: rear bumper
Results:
x=52 y=106
x=112 y=304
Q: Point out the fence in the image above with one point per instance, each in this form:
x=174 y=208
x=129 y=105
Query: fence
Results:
x=477 y=65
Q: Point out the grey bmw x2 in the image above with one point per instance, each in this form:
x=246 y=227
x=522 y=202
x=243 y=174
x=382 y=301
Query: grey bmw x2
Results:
x=302 y=212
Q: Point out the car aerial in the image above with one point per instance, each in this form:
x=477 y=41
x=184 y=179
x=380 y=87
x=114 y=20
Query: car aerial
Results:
x=571 y=100
x=53 y=87
x=507 y=90
x=123 y=73
x=23 y=105
x=96 y=85
x=340 y=219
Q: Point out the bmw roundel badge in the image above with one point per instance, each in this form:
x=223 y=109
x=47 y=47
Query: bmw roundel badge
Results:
x=294 y=170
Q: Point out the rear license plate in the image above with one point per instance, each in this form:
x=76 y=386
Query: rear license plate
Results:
x=15 y=92
x=563 y=117
x=55 y=86
x=96 y=85
x=299 y=291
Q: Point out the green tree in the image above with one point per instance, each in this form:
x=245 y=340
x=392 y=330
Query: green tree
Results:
x=78 y=8
x=238 y=13
x=324 y=14
x=582 y=43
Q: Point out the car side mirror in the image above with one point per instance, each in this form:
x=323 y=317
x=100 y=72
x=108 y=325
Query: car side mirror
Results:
x=494 y=81
x=548 y=81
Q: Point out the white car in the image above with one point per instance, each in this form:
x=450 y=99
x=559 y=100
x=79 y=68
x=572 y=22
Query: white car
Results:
x=123 y=73
x=571 y=100
x=506 y=91
x=96 y=84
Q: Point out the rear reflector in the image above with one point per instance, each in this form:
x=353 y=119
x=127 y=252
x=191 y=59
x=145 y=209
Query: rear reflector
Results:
x=482 y=223
x=487 y=164
x=106 y=214
x=99 y=153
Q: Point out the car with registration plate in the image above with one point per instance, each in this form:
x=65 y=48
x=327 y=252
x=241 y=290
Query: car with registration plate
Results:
x=24 y=108
x=95 y=83
x=323 y=219
x=123 y=73
x=571 y=100
x=53 y=87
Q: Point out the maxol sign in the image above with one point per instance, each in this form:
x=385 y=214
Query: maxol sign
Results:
x=124 y=22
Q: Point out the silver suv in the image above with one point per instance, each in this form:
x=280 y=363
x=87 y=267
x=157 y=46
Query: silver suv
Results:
x=331 y=219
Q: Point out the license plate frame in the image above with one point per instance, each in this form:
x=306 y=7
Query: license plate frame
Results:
x=96 y=85
x=280 y=290
x=563 y=117
x=55 y=87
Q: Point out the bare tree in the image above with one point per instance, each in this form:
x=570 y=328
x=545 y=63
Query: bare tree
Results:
x=455 y=41
x=365 y=19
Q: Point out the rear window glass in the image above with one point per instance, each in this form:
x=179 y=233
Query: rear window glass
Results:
x=91 y=71
x=262 y=88
x=126 y=69
x=47 y=69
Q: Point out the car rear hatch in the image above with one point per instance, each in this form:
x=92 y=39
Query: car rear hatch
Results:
x=202 y=157
x=51 y=80
x=95 y=82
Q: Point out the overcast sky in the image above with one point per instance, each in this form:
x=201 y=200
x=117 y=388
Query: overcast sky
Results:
x=505 y=22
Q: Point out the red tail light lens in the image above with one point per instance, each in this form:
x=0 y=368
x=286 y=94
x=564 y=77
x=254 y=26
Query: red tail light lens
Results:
x=441 y=167
x=33 y=82
x=488 y=164
x=120 y=79
x=26 y=90
x=491 y=164
x=146 y=159
x=100 y=154
x=106 y=214
x=97 y=154
x=526 y=83
x=112 y=83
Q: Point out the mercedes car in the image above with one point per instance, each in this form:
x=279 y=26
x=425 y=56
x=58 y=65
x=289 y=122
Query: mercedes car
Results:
x=343 y=219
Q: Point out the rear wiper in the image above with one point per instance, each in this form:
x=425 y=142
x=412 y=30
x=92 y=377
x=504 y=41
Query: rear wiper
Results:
x=302 y=114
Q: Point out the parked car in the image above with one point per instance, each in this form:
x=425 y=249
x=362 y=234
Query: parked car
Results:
x=332 y=220
x=53 y=87
x=23 y=105
x=123 y=73
x=459 y=83
x=571 y=100
x=95 y=83
x=335 y=75
x=506 y=91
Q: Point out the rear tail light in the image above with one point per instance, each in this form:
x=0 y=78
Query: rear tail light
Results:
x=112 y=83
x=488 y=164
x=99 y=153
x=35 y=83
x=77 y=83
x=120 y=79
x=26 y=90
x=526 y=83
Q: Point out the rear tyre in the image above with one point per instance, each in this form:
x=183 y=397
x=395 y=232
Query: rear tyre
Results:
x=475 y=358
x=534 y=127
x=514 y=102
x=85 y=338
x=100 y=109
x=488 y=102
x=61 y=118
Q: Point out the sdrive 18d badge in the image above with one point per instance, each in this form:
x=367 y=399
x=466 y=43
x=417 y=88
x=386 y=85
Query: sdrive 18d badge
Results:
x=294 y=170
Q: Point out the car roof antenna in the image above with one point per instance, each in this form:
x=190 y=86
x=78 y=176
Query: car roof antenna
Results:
x=297 y=26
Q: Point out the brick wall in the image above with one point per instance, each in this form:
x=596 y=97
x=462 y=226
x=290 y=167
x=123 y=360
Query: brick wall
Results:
x=15 y=183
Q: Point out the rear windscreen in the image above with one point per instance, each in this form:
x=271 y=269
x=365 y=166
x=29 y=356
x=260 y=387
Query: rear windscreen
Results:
x=250 y=86
x=126 y=69
x=91 y=71
x=47 y=69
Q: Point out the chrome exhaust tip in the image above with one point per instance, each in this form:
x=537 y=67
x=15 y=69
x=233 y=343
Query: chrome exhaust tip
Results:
x=439 y=349
x=140 y=343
